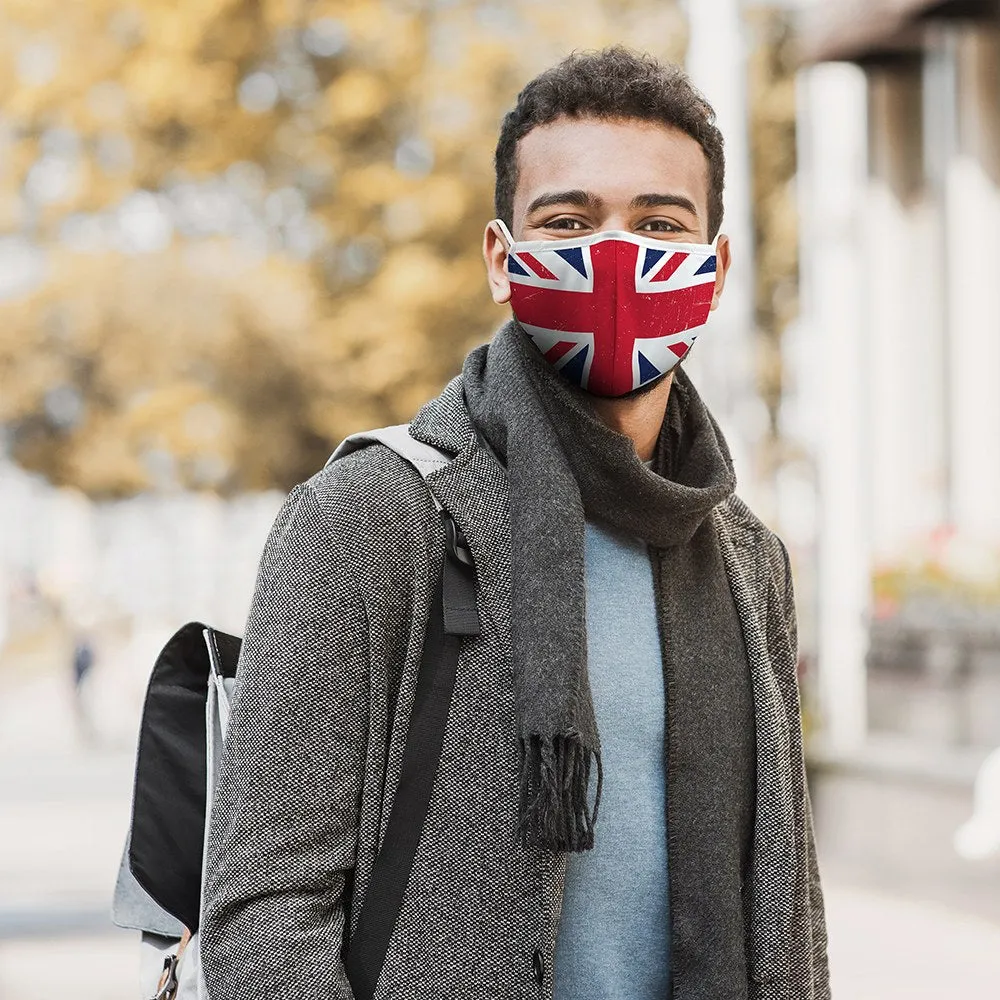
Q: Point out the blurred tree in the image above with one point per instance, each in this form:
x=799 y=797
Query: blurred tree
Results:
x=772 y=68
x=237 y=230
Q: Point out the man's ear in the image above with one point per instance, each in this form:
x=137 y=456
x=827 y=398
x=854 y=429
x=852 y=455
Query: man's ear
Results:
x=495 y=255
x=723 y=259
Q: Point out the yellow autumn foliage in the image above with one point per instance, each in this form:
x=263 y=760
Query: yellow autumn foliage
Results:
x=356 y=98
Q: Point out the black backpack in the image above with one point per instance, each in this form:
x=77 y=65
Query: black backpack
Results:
x=160 y=881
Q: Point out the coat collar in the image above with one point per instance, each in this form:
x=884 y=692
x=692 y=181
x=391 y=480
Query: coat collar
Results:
x=444 y=421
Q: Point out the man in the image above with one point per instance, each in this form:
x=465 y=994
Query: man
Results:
x=620 y=807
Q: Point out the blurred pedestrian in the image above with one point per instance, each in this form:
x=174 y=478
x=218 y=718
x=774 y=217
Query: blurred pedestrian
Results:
x=82 y=663
x=637 y=655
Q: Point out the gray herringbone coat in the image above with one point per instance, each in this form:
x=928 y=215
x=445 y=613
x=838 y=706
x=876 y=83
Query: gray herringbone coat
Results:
x=315 y=743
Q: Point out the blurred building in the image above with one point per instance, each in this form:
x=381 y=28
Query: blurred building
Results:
x=898 y=350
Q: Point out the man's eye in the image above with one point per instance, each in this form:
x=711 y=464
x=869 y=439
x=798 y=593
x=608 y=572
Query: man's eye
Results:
x=564 y=224
x=660 y=226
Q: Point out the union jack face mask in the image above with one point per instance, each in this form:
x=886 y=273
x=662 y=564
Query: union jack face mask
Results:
x=613 y=311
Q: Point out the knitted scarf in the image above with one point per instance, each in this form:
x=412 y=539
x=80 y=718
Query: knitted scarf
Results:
x=565 y=466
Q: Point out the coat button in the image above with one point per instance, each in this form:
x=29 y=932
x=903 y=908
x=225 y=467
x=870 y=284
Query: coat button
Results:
x=538 y=961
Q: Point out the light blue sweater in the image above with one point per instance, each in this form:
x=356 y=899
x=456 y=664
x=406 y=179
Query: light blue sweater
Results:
x=614 y=936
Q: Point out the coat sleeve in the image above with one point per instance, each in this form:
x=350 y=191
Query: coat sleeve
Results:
x=284 y=824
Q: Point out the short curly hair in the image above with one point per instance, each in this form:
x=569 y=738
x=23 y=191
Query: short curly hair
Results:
x=613 y=83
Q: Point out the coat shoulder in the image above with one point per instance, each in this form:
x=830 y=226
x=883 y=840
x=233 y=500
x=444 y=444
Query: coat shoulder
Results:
x=373 y=484
x=375 y=511
x=739 y=518
x=755 y=540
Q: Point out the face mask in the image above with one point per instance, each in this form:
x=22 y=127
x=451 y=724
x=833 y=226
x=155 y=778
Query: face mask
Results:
x=610 y=312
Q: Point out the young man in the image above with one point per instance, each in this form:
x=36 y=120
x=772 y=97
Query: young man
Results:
x=620 y=807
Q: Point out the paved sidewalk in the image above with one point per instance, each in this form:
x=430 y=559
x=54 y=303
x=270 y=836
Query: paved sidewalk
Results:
x=885 y=948
x=64 y=816
x=90 y=967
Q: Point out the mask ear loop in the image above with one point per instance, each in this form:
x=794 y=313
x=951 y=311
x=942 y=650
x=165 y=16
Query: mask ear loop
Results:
x=500 y=228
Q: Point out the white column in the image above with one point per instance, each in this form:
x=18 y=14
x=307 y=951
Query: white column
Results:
x=722 y=363
x=973 y=276
x=832 y=182
x=903 y=258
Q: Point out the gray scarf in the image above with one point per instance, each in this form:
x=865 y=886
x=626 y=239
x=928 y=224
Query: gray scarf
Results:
x=565 y=467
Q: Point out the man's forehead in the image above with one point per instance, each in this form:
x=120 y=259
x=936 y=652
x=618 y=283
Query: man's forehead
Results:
x=614 y=159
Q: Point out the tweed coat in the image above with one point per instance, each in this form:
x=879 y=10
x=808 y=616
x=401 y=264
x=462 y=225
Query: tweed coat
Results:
x=315 y=744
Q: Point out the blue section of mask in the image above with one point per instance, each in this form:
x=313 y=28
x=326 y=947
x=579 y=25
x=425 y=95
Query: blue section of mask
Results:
x=650 y=260
x=647 y=370
x=574 y=257
x=573 y=369
x=707 y=267
x=514 y=267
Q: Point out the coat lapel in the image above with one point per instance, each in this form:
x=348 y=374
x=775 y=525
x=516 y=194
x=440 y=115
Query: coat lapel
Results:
x=772 y=896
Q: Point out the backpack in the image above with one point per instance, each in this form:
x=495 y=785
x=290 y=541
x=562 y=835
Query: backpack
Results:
x=160 y=887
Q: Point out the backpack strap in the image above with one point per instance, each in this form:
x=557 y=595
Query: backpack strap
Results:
x=461 y=616
x=453 y=614
x=424 y=458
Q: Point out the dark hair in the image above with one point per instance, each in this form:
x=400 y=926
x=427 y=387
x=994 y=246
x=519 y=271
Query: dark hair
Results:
x=612 y=83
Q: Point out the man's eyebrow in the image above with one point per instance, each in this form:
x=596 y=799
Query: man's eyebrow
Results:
x=662 y=200
x=582 y=199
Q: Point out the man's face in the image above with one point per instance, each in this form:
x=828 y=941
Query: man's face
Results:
x=580 y=176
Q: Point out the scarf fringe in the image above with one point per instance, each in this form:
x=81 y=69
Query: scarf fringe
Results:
x=555 y=777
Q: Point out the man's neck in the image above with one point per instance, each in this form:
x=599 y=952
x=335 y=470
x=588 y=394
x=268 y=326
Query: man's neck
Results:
x=639 y=418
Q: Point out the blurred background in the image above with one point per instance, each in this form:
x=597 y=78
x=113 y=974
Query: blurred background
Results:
x=234 y=231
